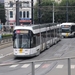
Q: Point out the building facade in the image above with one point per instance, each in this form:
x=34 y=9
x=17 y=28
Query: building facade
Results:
x=24 y=11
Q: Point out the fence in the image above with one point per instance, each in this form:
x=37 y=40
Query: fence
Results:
x=33 y=67
x=67 y=58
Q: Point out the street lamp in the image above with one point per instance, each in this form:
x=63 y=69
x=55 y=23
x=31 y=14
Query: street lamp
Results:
x=53 y=10
x=7 y=12
x=39 y=12
x=32 y=11
x=67 y=10
x=17 y=12
x=7 y=16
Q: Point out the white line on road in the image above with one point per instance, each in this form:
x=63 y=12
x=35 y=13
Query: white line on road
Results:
x=72 y=66
x=25 y=65
x=59 y=66
x=37 y=65
x=13 y=66
x=2 y=56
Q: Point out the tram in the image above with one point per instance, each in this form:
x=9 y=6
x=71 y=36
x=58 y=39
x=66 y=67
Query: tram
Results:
x=68 y=29
x=31 y=40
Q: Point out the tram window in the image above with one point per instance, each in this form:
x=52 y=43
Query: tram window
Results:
x=48 y=35
x=73 y=28
x=33 y=41
x=37 y=39
x=43 y=35
x=56 y=32
x=52 y=33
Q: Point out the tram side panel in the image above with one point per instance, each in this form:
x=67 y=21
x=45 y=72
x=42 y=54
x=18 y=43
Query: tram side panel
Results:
x=48 y=38
x=38 y=43
x=52 y=36
x=43 y=38
x=59 y=34
x=56 y=34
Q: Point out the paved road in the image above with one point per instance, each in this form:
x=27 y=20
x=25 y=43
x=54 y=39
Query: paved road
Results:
x=65 y=48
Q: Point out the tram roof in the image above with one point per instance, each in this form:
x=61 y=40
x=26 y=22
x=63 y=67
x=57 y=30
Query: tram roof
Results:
x=34 y=27
x=37 y=26
x=68 y=23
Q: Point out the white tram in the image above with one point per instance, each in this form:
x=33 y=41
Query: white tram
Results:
x=32 y=39
x=68 y=29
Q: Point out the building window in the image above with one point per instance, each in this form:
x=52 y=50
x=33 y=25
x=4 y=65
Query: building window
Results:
x=11 y=4
x=27 y=14
x=20 y=14
x=20 y=4
x=24 y=14
x=25 y=4
x=11 y=14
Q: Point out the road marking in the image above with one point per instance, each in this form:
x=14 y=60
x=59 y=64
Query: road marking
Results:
x=72 y=66
x=13 y=66
x=5 y=55
x=46 y=65
x=8 y=54
x=25 y=65
x=3 y=64
x=60 y=66
x=1 y=55
x=37 y=65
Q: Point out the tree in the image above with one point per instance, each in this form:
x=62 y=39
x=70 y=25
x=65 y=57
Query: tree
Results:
x=70 y=7
x=46 y=9
x=2 y=13
x=60 y=11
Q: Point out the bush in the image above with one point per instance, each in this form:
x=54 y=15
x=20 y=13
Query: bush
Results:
x=7 y=36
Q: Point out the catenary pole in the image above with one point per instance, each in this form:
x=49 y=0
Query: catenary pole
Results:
x=32 y=11
x=39 y=12
x=67 y=10
x=17 y=12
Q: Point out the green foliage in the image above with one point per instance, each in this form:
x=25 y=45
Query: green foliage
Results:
x=60 y=11
x=2 y=13
x=63 y=3
x=43 y=11
x=7 y=36
x=70 y=2
x=46 y=2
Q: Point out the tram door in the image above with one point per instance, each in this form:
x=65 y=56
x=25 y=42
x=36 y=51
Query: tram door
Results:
x=48 y=37
x=43 y=36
